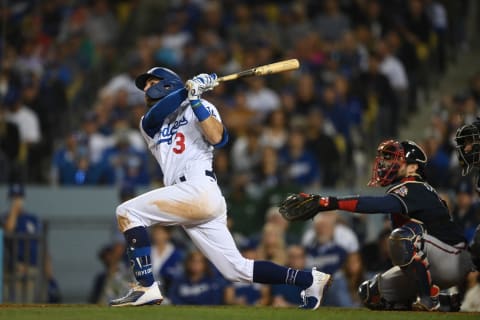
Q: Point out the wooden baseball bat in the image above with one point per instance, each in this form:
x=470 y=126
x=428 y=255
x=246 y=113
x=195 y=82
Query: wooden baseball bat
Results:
x=281 y=66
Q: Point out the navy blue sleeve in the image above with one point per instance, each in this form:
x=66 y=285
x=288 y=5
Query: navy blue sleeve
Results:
x=155 y=116
x=385 y=204
x=224 y=140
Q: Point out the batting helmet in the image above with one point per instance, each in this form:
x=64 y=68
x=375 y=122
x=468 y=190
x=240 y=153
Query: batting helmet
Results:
x=169 y=82
x=391 y=154
x=467 y=139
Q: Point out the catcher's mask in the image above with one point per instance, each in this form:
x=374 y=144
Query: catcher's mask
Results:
x=389 y=159
x=467 y=139
x=391 y=154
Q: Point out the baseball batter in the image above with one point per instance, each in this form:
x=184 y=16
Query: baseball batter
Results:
x=427 y=249
x=181 y=131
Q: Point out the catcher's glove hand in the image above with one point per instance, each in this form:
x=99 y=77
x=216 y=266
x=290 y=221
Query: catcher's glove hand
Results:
x=305 y=206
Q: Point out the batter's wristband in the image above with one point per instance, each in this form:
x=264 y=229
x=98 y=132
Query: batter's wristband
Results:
x=199 y=109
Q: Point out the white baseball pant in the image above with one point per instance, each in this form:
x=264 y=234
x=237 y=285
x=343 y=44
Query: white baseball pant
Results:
x=199 y=207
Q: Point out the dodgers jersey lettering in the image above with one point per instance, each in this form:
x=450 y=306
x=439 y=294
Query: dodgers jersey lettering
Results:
x=179 y=145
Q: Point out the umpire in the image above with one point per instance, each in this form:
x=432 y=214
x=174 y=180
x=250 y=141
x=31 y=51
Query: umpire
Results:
x=427 y=249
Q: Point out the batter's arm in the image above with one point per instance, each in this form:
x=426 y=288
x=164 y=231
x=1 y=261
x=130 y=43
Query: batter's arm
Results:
x=214 y=131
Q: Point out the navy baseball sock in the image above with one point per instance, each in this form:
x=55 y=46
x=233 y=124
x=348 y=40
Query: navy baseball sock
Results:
x=271 y=273
x=138 y=250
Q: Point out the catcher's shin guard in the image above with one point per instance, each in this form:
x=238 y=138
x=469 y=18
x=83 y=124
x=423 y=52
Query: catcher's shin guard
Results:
x=372 y=299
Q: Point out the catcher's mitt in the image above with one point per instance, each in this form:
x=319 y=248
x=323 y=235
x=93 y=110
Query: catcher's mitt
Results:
x=300 y=206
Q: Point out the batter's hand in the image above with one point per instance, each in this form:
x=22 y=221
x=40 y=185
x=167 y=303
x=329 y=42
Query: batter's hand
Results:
x=200 y=84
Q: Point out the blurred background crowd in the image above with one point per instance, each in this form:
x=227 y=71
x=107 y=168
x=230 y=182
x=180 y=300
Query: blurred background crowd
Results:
x=69 y=116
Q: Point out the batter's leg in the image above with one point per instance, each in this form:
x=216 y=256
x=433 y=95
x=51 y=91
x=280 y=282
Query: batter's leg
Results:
x=215 y=241
x=168 y=206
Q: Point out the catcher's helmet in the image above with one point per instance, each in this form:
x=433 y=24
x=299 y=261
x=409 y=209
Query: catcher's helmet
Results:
x=467 y=139
x=169 y=82
x=391 y=154
x=414 y=154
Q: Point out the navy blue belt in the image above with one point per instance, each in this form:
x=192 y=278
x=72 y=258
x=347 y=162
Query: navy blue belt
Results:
x=208 y=173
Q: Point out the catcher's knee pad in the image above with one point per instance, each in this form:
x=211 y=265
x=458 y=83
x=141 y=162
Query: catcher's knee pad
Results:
x=404 y=243
x=371 y=297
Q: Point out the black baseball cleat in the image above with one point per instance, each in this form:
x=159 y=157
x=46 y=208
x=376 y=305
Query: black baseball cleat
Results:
x=428 y=303
x=139 y=296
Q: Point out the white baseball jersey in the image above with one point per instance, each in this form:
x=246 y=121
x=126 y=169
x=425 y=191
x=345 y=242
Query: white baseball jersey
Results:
x=179 y=145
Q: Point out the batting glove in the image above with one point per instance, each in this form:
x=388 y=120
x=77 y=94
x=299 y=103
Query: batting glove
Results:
x=200 y=84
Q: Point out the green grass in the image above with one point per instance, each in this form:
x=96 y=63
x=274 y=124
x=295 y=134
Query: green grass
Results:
x=84 y=312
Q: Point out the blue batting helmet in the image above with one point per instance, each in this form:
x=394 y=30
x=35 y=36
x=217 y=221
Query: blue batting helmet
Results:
x=169 y=82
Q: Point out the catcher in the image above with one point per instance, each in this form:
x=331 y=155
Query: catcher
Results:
x=427 y=249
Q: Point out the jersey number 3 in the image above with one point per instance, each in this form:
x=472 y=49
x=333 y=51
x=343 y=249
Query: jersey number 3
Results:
x=179 y=143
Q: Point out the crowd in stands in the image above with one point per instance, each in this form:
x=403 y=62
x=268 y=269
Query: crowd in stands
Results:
x=69 y=115
x=68 y=68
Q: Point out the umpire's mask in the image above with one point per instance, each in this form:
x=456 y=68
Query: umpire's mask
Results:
x=467 y=139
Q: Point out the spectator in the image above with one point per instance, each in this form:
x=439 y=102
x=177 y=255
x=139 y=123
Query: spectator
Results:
x=267 y=174
x=471 y=303
x=438 y=163
x=284 y=295
x=246 y=150
x=322 y=251
x=372 y=16
x=298 y=163
x=239 y=116
x=376 y=255
x=166 y=258
x=306 y=94
x=9 y=147
x=251 y=293
x=22 y=116
x=392 y=68
x=332 y=23
x=475 y=88
x=379 y=100
x=260 y=98
x=322 y=142
x=272 y=244
x=77 y=170
x=275 y=133
x=90 y=137
x=23 y=255
x=466 y=212
x=122 y=163
x=199 y=285
x=242 y=207
x=354 y=273
x=115 y=277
